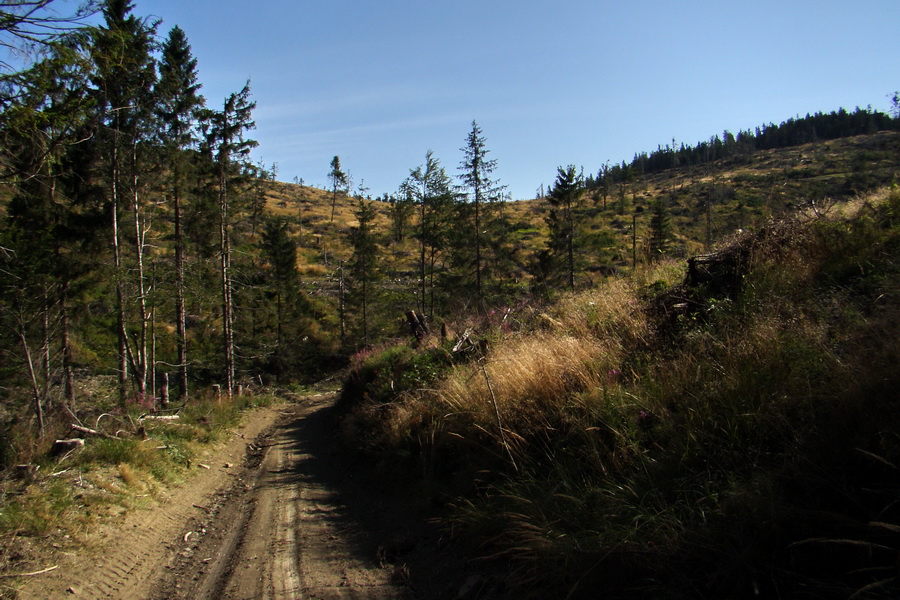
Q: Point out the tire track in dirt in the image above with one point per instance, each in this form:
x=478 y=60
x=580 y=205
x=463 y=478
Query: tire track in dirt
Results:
x=124 y=559
x=295 y=520
x=288 y=535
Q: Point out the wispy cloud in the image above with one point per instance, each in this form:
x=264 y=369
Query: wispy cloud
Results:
x=355 y=100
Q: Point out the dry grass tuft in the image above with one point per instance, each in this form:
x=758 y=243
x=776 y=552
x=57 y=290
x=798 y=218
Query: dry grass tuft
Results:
x=128 y=475
x=526 y=379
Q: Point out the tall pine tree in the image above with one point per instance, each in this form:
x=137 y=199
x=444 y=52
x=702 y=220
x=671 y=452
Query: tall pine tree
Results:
x=226 y=140
x=178 y=102
x=339 y=181
x=123 y=77
x=565 y=199
x=483 y=193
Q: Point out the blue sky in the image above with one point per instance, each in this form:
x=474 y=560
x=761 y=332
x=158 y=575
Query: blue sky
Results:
x=550 y=82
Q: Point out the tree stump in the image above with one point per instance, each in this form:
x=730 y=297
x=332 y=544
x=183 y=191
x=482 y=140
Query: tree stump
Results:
x=417 y=325
x=61 y=447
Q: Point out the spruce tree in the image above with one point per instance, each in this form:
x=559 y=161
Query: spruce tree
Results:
x=660 y=229
x=225 y=138
x=401 y=210
x=432 y=190
x=483 y=193
x=281 y=253
x=124 y=74
x=178 y=102
x=338 y=180
x=50 y=219
x=565 y=199
x=362 y=265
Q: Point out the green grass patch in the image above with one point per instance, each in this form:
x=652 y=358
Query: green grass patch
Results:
x=111 y=475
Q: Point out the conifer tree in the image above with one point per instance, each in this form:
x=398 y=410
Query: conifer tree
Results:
x=363 y=264
x=124 y=76
x=432 y=190
x=178 y=102
x=281 y=252
x=44 y=124
x=401 y=210
x=483 y=192
x=660 y=229
x=338 y=180
x=226 y=139
x=565 y=198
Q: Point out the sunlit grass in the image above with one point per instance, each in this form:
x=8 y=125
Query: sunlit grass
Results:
x=717 y=449
x=110 y=475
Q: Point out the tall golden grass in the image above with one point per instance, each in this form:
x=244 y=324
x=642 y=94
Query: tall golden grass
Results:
x=612 y=446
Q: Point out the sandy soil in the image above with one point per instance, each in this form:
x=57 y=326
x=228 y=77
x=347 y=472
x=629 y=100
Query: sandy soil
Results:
x=281 y=514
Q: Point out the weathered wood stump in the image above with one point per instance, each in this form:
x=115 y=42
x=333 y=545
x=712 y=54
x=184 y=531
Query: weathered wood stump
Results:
x=61 y=447
x=417 y=324
x=26 y=472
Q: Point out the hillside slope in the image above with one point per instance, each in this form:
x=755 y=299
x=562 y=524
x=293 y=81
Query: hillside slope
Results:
x=721 y=428
x=708 y=203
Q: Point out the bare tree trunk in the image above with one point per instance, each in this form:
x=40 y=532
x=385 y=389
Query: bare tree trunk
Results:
x=365 y=311
x=117 y=262
x=422 y=247
x=478 y=291
x=45 y=337
x=181 y=330
x=225 y=265
x=570 y=220
x=432 y=262
x=278 y=317
x=35 y=389
x=341 y=305
x=634 y=241
x=152 y=361
x=141 y=366
x=65 y=344
x=333 y=201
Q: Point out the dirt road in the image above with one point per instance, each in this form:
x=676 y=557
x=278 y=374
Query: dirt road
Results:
x=285 y=532
x=280 y=515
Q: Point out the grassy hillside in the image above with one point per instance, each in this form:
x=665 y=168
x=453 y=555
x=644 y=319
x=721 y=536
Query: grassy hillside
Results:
x=718 y=428
x=708 y=204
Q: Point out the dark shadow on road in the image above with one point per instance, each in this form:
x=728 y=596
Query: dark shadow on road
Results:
x=384 y=527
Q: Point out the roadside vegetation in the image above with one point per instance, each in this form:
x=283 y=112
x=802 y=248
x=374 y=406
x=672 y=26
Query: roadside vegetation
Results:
x=130 y=460
x=584 y=402
x=725 y=427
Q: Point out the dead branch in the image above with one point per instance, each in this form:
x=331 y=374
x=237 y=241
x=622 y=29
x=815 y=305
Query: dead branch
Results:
x=499 y=420
x=41 y=572
x=89 y=431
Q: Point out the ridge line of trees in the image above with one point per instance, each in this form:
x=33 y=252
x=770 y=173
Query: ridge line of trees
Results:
x=792 y=132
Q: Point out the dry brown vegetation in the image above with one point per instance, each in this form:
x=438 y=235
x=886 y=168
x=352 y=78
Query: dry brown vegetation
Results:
x=747 y=190
x=659 y=438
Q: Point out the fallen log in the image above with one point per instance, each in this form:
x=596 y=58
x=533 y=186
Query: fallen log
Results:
x=164 y=418
x=89 y=431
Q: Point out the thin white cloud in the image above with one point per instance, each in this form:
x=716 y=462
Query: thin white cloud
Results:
x=356 y=100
